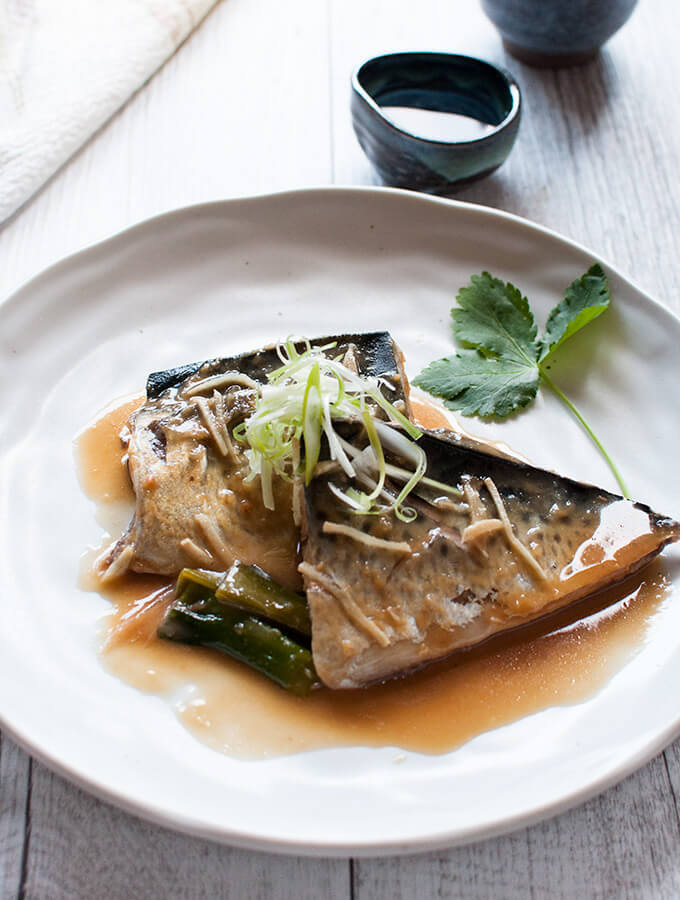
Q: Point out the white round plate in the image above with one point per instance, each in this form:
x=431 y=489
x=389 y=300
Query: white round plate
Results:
x=227 y=277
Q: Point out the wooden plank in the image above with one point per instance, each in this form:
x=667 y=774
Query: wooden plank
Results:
x=499 y=868
x=15 y=780
x=671 y=759
x=588 y=165
x=622 y=844
x=80 y=847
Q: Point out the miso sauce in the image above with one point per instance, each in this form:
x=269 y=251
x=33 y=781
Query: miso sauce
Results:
x=563 y=660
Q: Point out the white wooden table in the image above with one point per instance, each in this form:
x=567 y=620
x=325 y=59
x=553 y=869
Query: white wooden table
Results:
x=257 y=101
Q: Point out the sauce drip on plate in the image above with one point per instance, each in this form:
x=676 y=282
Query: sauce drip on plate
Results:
x=562 y=660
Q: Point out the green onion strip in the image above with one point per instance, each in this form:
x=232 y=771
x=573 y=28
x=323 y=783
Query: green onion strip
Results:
x=303 y=398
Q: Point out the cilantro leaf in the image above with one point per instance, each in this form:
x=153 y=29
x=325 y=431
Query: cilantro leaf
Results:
x=481 y=385
x=494 y=317
x=584 y=300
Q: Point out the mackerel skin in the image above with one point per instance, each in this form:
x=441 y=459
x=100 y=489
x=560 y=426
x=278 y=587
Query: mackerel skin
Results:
x=377 y=613
x=375 y=352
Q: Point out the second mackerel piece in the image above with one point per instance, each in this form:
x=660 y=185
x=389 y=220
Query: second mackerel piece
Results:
x=511 y=545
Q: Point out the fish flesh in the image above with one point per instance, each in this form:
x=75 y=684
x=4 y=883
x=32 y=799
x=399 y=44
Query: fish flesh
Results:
x=495 y=543
x=194 y=502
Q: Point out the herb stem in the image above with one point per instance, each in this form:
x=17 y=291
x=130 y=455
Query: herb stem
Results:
x=567 y=402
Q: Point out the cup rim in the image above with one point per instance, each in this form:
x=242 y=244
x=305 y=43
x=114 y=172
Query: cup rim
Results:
x=507 y=78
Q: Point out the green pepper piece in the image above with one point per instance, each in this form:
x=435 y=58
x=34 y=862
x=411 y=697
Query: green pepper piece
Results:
x=203 y=577
x=198 y=617
x=252 y=590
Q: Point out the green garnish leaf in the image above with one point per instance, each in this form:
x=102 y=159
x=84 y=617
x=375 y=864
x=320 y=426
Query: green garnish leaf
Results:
x=494 y=318
x=481 y=385
x=500 y=374
x=584 y=300
x=501 y=365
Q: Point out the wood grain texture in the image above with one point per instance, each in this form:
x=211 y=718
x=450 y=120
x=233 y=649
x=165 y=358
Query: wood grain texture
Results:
x=594 y=851
x=598 y=144
x=257 y=101
x=15 y=774
x=80 y=847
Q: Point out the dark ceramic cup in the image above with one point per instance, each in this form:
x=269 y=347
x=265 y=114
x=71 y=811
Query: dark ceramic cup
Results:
x=441 y=83
x=557 y=32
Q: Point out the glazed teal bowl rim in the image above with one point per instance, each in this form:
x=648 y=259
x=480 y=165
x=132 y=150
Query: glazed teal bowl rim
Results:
x=506 y=77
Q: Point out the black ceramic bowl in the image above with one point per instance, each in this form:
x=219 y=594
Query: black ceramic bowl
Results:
x=557 y=32
x=441 y=83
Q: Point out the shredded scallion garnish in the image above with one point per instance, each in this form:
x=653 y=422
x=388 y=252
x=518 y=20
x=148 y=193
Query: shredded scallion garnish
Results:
x=303 y=398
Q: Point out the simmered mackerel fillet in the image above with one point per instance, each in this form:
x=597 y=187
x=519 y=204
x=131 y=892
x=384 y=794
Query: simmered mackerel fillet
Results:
x=193 y=505
x=516 y=543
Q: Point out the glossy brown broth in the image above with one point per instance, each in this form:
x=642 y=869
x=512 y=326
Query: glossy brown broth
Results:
x=563 y=659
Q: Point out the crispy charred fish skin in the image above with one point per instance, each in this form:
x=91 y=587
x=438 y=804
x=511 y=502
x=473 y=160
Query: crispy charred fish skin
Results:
x=194 y=506
x=516 y=544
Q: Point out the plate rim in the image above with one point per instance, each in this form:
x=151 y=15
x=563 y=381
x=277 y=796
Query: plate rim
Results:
x=339 y=849
x=199 y=208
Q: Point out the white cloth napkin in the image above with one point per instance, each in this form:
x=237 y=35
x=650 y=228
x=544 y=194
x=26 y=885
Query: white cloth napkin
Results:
x=65 y=67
